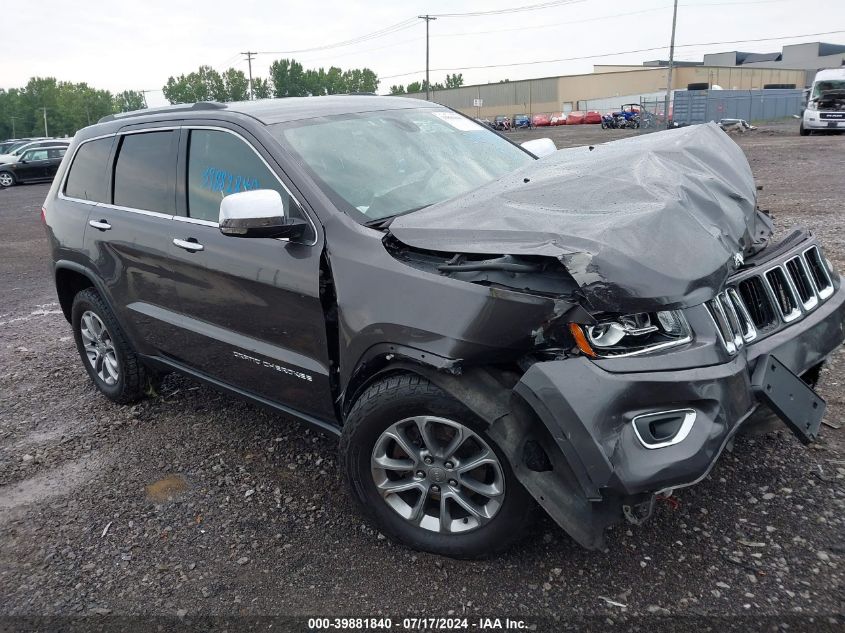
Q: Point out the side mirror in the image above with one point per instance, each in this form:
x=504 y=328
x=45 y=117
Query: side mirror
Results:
x=258 y=213
x=540 y=147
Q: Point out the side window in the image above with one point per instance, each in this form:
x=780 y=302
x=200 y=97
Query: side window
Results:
x=57 y=152
x=144 y=172
x=34 y=154
x=88 y=173
x=220 y=164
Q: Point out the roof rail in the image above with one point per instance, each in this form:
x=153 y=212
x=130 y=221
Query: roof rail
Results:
x=184 y=107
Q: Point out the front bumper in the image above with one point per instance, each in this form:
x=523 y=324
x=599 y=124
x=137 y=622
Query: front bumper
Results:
x=588 y=410
x=820 y=120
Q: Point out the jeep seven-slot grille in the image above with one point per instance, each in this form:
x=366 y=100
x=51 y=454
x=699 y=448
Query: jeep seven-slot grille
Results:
x=777 y=295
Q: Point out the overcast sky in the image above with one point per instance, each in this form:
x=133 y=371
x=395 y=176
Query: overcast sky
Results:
x=120 y=45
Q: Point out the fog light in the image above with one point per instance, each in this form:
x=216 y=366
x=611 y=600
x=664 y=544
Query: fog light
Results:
x=663 y=428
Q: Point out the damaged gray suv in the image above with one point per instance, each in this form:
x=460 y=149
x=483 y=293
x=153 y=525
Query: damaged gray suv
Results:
x=484 y=330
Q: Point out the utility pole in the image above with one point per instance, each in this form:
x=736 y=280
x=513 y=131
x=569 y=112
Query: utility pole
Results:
x=427 y=19
x=671 y=63
x=13 y=125
x=44 y=110
x=249 y=56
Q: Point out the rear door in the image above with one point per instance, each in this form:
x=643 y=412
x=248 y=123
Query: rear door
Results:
x=252 y=312
x=128 y=238
x=54 y=159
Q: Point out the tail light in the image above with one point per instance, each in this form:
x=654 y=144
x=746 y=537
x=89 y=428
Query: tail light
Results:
x=43 y=215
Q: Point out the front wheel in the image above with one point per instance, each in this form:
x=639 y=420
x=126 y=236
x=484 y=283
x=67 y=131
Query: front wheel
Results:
x=7 y=179
x=422 y=468
x=803 y=131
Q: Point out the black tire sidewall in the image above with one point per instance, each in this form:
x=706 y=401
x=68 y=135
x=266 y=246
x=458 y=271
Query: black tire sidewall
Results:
x=85 y=301
x=509 y=522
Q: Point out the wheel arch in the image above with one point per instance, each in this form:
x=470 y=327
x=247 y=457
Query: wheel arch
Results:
x=71 y=278
x=535 y=458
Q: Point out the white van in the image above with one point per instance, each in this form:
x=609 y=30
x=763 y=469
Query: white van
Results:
x=826 y=105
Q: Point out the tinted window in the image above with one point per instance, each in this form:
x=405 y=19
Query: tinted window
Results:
x=220 y=164
x=87 y=177
x=143 y=173
x=35 y=154
x=57 y=152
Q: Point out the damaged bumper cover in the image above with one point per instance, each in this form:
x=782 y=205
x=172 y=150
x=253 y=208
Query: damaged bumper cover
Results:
x=627 y=431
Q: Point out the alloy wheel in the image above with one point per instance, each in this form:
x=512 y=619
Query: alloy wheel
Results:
x=438 y=474
x=6 y=179
x=99 y=347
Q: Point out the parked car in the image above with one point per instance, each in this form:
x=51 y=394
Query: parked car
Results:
x=541 y=120
x=457 y=312
x=575 y=117
x=18 y=150
x=591 y=116
x=38 y=164
x=825 y=109
x=521 y=121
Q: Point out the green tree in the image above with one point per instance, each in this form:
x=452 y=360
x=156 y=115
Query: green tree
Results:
x=235 y=85
x=261 y=88
x=454 y=81
x=415 y=86
x=129 y=100
x=360 y=80
x=204 y=84
x=397 y=90
x=288 y=78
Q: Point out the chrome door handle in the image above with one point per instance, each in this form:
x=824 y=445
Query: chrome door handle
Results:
x=188 y=246
x=100 y=224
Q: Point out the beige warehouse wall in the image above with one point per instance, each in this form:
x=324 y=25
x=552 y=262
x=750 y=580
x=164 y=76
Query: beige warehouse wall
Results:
x=548 y=94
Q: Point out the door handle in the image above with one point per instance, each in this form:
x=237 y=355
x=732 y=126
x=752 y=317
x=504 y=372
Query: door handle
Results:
x=188 y=245
x=100 y=224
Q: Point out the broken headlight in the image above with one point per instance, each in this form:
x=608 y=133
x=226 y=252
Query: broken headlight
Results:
x=632 y=334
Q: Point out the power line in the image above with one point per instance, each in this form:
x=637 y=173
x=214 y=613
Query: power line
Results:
x=639 y=50
x=388 y=30
x=530 y=7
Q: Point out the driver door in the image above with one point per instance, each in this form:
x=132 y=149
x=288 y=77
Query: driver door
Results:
x=33 y=165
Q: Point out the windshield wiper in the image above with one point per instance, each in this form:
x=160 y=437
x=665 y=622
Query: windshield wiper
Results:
x=383 y=223
x=507 y=263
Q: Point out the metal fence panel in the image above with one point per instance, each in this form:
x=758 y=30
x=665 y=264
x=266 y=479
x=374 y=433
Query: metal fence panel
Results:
x=701 y=106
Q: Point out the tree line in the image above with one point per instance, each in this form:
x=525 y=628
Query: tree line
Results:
x=452 y=81
x=70 y=106
x=287 y=78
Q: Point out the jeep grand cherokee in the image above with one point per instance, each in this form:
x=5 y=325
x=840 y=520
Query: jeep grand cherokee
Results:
x=484 y=330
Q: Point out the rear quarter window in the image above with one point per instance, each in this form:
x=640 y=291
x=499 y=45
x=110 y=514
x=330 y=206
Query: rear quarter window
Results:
x=86 y=179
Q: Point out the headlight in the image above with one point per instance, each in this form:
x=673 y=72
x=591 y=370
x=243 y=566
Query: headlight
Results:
x=632 y=334
x=812 y=105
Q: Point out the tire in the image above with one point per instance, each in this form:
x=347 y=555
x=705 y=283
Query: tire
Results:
x=7 y=179
x=803 y=131
x=115 y=369
x=405 y=399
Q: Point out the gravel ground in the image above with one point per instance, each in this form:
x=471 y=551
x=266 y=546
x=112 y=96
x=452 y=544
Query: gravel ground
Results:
x=193 y=504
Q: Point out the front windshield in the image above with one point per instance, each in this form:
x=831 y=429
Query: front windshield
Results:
x=826 y=86
x=380 y=164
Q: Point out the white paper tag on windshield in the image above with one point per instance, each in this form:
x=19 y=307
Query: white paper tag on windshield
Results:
x=457 y=121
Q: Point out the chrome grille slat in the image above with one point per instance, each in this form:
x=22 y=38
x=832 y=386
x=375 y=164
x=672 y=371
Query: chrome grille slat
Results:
x=774 y=297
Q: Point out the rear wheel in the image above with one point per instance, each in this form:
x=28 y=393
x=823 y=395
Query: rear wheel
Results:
x=421 y=466
x=107 y=356
x=7 y=179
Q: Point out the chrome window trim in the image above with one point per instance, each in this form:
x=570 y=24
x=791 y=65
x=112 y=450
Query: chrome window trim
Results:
x=61 y=193
x=826 y=292
x=680 y=436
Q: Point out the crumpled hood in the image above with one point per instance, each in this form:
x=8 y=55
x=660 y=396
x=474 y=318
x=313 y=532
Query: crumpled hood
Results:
x=651 y=221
